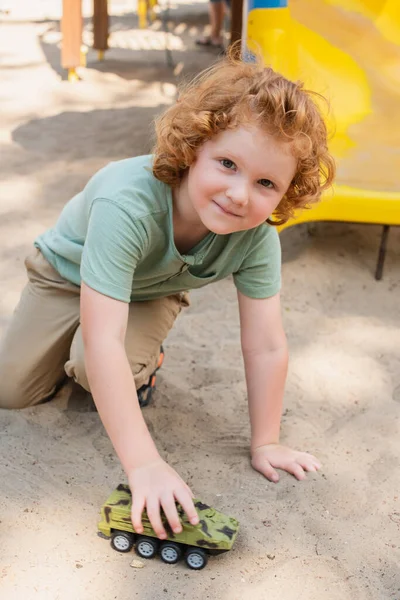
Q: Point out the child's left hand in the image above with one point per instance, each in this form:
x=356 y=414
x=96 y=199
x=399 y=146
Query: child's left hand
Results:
x=266 y=458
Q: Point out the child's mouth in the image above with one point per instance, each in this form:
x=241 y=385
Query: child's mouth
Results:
x=225 y=211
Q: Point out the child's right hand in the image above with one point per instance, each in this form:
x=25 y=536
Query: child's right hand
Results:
x=157 y=485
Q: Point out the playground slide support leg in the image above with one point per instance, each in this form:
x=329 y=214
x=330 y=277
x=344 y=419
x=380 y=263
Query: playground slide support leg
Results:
x=382 y=253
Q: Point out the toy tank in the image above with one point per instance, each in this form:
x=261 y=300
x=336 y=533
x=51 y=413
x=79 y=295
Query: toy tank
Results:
x=214 y=534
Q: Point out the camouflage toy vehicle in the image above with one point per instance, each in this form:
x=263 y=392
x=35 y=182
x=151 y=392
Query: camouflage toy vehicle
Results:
x=214 y=534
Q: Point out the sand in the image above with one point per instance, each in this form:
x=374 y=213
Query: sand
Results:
x=334 y=536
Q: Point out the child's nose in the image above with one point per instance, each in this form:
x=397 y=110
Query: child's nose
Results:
x=239 y=194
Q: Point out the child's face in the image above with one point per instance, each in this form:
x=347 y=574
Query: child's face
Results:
x=238 y=179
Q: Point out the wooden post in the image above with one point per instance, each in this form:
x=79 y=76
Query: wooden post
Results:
x=100 y=25
x=71 y=30
x=236 y=20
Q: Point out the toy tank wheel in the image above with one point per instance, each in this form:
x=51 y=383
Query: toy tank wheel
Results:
x=146 y=547
x=122 y=541
x=196 y=558
x=170 y=552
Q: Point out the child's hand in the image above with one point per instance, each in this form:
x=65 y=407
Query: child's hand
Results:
x=265 y=458
x=154 y=486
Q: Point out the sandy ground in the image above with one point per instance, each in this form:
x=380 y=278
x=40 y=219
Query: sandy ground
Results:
x=334 y=536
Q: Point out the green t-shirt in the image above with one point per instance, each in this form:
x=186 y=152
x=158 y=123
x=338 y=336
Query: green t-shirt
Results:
x=117 y=237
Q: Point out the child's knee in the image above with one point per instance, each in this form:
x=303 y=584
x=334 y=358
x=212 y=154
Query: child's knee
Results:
x=75 y=368
x=20 y=389
x=12 y=396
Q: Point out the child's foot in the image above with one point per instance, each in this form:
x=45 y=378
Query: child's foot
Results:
x=146 y=391
x=208 y=41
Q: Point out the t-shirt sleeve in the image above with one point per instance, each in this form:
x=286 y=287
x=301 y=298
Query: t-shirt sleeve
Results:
x=112 y=249
x=259 y=275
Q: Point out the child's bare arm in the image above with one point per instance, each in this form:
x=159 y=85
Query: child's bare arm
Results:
x=153 y=482
x=265 y=358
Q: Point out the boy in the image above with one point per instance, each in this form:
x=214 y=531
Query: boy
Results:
x=108 y=280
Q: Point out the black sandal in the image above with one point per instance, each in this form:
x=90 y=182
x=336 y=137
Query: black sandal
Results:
x=145 y=392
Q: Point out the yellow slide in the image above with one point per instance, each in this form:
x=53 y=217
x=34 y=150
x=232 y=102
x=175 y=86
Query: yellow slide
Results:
x=349 y=50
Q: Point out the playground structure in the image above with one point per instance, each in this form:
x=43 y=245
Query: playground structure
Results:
x=73 y=53
x=349 y=51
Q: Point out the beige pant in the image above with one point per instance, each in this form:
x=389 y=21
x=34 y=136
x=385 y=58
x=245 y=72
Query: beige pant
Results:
x=44 y=341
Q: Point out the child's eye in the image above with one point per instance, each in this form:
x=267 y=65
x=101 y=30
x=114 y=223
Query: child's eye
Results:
x=266 y=183
x=228 y=164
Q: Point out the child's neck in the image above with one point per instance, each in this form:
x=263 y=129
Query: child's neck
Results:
x=188 y=228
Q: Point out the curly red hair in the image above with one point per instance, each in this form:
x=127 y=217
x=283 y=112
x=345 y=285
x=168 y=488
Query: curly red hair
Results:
x=232 y=93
